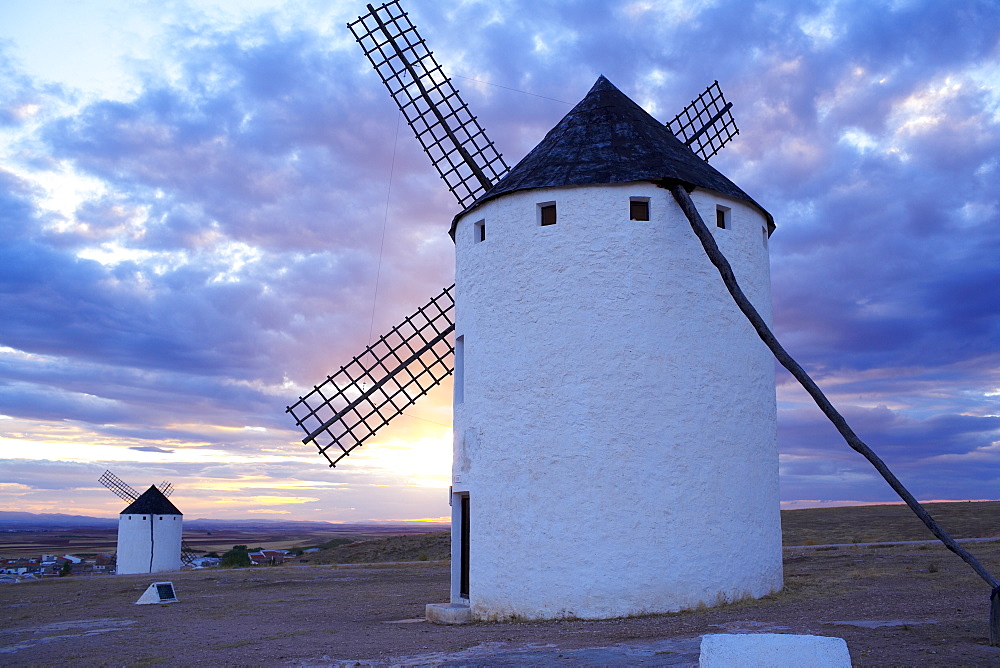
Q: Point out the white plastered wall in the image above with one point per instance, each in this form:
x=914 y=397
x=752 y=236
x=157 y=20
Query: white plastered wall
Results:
x=148 y=543
x=616 y=433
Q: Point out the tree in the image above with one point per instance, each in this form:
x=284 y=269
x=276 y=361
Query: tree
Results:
x=238 y=557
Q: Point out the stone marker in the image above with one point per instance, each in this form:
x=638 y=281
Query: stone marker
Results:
x=773 y=650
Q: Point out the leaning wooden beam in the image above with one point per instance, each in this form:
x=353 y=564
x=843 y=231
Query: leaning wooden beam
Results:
x=763 y=331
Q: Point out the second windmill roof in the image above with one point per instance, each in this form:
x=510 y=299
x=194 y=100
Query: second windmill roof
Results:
x=152 y=502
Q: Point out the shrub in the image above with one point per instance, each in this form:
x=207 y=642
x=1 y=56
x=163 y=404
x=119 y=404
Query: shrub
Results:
x=238 y=557
x=336 y=542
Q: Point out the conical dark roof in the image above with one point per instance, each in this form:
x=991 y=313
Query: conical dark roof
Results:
x=151 y=502
x=608 y=138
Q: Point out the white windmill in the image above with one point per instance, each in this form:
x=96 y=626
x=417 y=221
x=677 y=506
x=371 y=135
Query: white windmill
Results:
x=614 y=420
x=149 y=529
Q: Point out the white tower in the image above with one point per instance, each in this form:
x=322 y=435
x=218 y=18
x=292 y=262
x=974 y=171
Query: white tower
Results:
x=615 y=442
x=149 y=535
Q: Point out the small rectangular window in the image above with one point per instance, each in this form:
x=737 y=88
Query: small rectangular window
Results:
x=638 y=208
x=764 y=231
x=547 y=213
x=480 y=229
x=722 y=217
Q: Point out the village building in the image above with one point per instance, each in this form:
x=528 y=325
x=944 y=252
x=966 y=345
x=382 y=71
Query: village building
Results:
x=270 y=557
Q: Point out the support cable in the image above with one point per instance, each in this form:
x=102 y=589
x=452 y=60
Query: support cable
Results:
x=385 y=222
x=516 y=90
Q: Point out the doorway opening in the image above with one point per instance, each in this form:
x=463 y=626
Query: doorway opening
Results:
x=463 y=538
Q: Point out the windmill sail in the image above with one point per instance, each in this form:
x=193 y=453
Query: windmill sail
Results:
x=707 y=123
x=118 y=486
x=187 y=553
x=126 y=492
x=391 y=374
x=441 y=121
x=380 y=383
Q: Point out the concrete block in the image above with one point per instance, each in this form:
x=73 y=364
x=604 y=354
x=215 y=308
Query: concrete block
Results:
x=448 y=613
x=772 y=650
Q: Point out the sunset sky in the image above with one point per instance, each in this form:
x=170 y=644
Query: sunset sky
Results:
x=207 y=206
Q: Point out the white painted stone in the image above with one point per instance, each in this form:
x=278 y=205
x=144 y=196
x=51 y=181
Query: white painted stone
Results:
x=772 y=650
x=615 y=413
x=148 y=543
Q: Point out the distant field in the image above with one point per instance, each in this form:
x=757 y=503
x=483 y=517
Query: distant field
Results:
x=817 y=526
x=872 y=524
x=88 y=541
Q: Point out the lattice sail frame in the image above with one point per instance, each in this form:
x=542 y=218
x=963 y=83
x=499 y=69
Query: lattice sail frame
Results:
x=441 y=121
x=706 y=124
x=118 y=486
x=380 y=383
x=125 y=491
x=364 y=395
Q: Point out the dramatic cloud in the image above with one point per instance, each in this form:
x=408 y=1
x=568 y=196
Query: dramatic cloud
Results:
x=183 y=257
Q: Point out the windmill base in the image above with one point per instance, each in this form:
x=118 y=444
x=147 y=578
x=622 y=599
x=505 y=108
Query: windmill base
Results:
x=448 y=613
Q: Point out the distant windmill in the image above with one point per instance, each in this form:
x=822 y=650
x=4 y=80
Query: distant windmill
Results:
x=614 y=419
x=149 y=529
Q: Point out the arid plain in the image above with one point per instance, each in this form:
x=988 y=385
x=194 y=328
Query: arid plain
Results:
x=914 y=604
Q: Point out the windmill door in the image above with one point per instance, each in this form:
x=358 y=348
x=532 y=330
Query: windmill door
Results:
x=463 y=577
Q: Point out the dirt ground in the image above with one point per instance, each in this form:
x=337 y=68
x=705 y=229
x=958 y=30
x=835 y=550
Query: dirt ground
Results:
x=913 y=605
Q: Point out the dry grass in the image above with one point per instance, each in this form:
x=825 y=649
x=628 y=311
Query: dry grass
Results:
x=420 y=547
x=317 y=615
x=817 y=526
x=872 y=524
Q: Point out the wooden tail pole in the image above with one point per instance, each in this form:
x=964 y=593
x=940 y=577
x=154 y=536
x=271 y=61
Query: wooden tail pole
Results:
x=726 y=271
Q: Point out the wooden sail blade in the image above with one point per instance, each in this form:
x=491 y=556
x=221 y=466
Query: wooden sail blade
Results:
x=707 y=123
x=450 y=135
x=118 y=486
x=351 y=405
x=187 y=553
